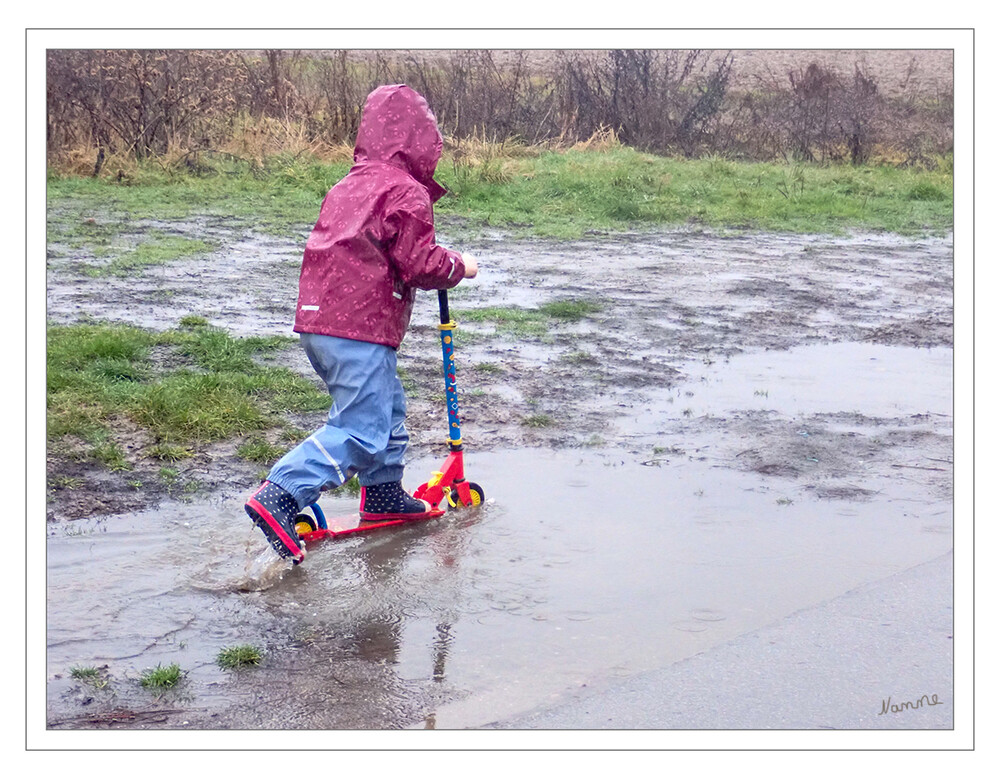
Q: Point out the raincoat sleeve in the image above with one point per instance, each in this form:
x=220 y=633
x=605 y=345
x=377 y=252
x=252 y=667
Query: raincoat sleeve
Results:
x=418 y=260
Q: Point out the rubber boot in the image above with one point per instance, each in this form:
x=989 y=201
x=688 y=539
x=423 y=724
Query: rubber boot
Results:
x=273 y=510
x=380 y=502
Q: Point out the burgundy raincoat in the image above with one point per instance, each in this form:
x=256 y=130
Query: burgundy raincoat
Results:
x=373 y=245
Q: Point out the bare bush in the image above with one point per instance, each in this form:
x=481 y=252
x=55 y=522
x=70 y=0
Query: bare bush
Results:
x=655 y=100
x=860 y=115
x=143 y=103
x=140 y=101
x=811 y=111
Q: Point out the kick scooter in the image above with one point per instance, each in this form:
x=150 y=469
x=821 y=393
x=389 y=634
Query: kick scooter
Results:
x=448 y=484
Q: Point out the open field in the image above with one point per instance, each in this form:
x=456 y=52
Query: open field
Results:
x=926 y=72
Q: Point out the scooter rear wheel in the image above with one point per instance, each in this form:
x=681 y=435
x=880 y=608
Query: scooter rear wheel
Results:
x=305 y=524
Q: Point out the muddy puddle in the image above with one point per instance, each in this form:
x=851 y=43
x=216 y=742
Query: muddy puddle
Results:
x=744 y=427
x=583 y=566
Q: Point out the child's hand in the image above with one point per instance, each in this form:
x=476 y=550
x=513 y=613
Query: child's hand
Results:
x=471 y=266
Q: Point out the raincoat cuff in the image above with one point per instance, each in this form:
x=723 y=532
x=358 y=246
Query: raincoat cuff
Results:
x=458 y=273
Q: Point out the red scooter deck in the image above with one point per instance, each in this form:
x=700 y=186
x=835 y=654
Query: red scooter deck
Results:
x=338 y=527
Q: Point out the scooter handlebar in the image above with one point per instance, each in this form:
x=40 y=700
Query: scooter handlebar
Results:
x=443 y=306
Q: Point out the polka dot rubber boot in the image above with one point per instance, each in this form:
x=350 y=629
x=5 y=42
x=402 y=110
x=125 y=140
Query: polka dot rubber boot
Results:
x=273 y=510
x=380 y=502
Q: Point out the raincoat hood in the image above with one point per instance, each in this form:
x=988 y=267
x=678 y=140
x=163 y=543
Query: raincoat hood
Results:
x=398 y=128
x=373 y=245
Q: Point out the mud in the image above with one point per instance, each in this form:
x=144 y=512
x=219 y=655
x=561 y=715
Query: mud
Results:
x=739 y=405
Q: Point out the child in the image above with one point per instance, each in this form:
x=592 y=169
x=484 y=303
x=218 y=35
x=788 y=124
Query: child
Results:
x=371 y=249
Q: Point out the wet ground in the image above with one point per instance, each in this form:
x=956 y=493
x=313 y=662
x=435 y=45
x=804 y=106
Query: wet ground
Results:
x=747 y=426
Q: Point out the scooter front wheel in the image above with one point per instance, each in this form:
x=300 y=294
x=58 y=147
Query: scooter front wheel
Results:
x=476 y=496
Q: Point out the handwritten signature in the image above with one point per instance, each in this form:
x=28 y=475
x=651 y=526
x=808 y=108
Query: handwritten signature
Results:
x=894 y=708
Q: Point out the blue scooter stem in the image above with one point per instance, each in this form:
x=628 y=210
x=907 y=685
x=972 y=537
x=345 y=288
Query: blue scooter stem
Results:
x=447 y=328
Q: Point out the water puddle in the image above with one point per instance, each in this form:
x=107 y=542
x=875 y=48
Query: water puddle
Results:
x=869 y=379
x=581 y=566
x=865 y=380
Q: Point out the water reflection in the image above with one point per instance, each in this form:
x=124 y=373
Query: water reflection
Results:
x=389 y=600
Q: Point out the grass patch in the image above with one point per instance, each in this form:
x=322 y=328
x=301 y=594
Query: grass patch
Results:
x=65 y=482
x=170 y=453
x=95 y=677
x=108 y=452
x=530 y=322
x=578 y=357
x=925 y=190
x=293 y=436
x=100 y=377
x=550 y=193
x=281 y=198
x=156 y=249
x=538 y=420
x=168 y=475
x=241 y=656
x=161 y=677
x=571 y=193
x=408 y=382
x=512 y=316
x=259 y=450
x=570 y=310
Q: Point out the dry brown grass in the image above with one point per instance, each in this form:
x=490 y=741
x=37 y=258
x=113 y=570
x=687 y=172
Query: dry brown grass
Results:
x=604 y=139
x=264 y=137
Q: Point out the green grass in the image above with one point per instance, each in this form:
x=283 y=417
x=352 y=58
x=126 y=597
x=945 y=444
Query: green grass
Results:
x=293 y=436
x=155 y=249
x=239 y=657
x=95 y=677
x=567 y=194
x=168 y=475
x=107 y=451
x=65 y=482
x=538 y=420
x=161 y=676
x=514 y=319
x=529 y=322
x=570 y=310
x=557 y=194
x=408 y=382
x=282 y=200
x=101 y=378
x=170 y=453
x=578 y=357
x=259 y=450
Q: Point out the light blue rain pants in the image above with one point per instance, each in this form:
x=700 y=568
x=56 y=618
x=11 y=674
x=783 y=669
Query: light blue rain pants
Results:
x=365 y=432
